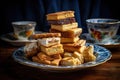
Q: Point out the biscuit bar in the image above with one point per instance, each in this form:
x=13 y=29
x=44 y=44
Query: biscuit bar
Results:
x=45 y=35
x=80 y=42
x=79 y=56
x=79 y=49
x=64 y=27
x=74 y=54
x=47 y=42
x=69 y=33
x=31 y=49
x=60 y=15
x=62 y=21
x=69 y=40
x=36 y=59
x=46 y=59
x=89 y=54
x=78 y=46
x=69 y=61
x=56 y=49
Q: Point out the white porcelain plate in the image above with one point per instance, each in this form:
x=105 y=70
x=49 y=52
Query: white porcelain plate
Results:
x=102 y=55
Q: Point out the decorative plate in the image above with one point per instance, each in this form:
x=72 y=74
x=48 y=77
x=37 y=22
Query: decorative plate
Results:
x=102 y=55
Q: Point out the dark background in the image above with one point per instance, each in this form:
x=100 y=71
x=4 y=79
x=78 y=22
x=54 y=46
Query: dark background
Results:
x=36 y=10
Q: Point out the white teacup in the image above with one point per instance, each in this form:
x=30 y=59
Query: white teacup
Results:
x=23 y=29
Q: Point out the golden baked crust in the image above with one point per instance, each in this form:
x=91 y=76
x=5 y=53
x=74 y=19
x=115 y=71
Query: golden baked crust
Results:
x=69 y=33
x=64 y=27
x=78 y=46
x=48 y=42
x=69 y=61
x=36 y=59
x=79 y=56
x=31 y=49
x=46 y=59
x=45 y=35
x=56 y=49
x=60 y=15
x=79 y=49
x=69 y=40
x=89 y=54
x=80 y=42
x=74 y=54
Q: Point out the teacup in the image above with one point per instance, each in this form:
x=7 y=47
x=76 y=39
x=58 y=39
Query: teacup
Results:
x=102 y=30
x=23 y=29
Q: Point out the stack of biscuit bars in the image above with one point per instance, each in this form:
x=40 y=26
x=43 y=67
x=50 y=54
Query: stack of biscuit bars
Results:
x=62 y=45
x=50 y=48
x=64 y=22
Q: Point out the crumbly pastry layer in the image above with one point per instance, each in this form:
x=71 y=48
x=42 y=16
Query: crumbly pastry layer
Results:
x=45 y=35
x=89 y=54
x=69 y=40
x=78 y=46
x=31 y=49
x=64 y=27
x=69 y=61
x=74 y=55
x=69 y=33
x=45 y=59
x=79 y=49
x=56 y=49
x=80 y=42
x=47 y=42
x=60 y=15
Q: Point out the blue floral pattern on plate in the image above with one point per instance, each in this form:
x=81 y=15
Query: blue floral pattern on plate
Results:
x=102 y=55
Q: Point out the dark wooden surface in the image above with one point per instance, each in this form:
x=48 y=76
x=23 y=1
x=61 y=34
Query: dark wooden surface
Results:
x=11 y=70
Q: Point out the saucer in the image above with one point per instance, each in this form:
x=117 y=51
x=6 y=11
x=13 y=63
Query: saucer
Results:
x=113 y=43
x=9 y=38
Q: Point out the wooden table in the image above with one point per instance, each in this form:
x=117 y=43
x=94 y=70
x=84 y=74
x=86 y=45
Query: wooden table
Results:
x=11 y=70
